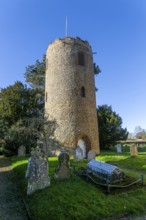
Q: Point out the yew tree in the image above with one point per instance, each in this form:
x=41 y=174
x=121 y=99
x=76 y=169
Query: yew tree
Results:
x=110 y=127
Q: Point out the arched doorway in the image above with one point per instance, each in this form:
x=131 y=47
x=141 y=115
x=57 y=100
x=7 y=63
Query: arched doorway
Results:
x=85 y=144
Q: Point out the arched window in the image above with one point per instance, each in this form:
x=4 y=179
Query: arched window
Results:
x=81 y=59
x=83 y=91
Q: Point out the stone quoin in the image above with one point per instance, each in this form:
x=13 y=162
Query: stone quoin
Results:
x=70 y=93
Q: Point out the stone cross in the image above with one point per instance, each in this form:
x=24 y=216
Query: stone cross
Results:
x=63 y=170
x=37 y=171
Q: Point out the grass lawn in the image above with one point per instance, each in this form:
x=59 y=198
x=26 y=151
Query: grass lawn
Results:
x=76 y=199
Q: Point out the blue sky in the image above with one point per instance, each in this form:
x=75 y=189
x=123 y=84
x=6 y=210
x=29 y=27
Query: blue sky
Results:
x=116 y=30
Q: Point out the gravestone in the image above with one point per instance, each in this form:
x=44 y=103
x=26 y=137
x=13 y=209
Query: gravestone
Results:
x=133 y=150
x=91 y=155
x=78 y=154
x=37 y=171
x=63 y=170
x=119 y=148
x=21 y=151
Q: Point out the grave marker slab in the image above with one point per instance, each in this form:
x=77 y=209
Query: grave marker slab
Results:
x=119 y=148
x=91 y=155
x=63 y=170
x=21 y=151
x=78 y=154
x=133 y=150
x=37 y=171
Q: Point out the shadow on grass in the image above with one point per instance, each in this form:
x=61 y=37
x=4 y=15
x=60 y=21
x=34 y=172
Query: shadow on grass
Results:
x=134 y=163
x=142 y=153
x=4 y=162
x=76 y=180
x=74 y=198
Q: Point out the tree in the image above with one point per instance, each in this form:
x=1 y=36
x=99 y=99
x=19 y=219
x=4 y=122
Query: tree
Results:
x=96 y=72
x=138 y=129
x=35 y=74
x=110 y=127
x=144 y=135
x=11 y=102
x=140 y=133
x=29 y=130
x=97 y=69
x=19 y=101
x=35 y=77
x=16 y=103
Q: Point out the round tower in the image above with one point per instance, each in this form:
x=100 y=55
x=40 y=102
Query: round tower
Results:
x=70 y=93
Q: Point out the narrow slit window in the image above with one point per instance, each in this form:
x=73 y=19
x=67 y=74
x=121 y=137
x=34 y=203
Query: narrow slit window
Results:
x=46 y=96
x=81 y=59
x=83 y=91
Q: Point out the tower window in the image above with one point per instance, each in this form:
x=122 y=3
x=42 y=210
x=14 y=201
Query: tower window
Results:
x=81 y=59
x=83 y=91
x=46 y=96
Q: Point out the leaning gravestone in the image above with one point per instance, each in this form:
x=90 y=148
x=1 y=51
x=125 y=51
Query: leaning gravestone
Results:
x=37 y=171
x=63 y=170
x=21 y=151
x=78 y=154
x=91 y=155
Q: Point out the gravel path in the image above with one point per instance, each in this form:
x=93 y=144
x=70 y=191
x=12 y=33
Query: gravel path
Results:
x=11 y=205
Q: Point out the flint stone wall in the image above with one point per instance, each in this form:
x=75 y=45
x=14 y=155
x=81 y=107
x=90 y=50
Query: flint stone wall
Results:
x=76 y=116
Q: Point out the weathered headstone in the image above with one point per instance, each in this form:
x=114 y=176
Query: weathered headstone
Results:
x=91 y=155
x=119 y=148
x=78 y=154
x=133 y=150
x=37 y=171
x=21 y=151
x=63 y=170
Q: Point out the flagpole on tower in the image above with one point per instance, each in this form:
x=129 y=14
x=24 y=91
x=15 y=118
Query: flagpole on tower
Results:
x=66 y=28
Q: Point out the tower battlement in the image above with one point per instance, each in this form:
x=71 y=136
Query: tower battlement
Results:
x=72 y=41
